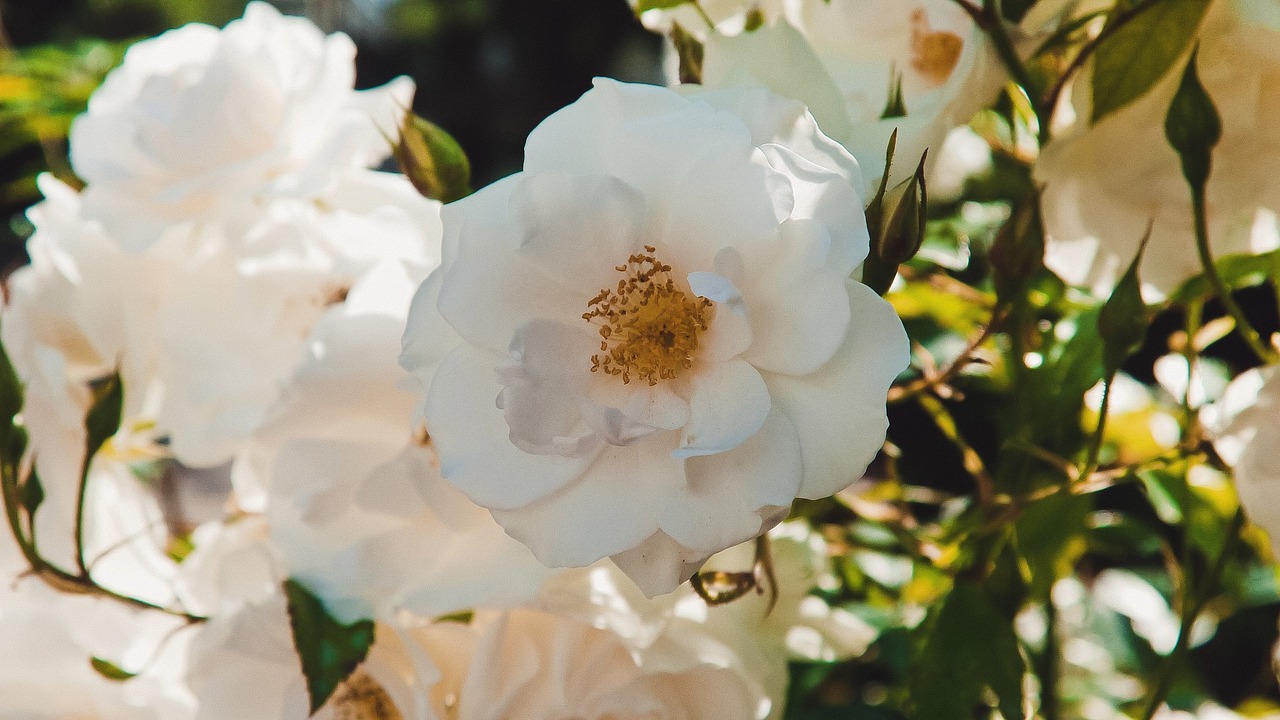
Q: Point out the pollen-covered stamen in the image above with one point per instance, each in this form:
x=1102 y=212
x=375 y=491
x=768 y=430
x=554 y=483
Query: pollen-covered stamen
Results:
x=648 y=325
x=934 y=53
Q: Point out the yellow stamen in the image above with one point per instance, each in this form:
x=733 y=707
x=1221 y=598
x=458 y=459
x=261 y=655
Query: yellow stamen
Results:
x=648 y=326
x=934 y=54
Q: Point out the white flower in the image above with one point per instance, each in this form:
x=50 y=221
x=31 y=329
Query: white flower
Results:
x=1246 y=433
x=358 y=509
x=845 y=58
x=755 y=635
x=201 y=123
x=661 y=346
x=204 y=326
x=1105 y=183
x=520 y=664
x=47 y=638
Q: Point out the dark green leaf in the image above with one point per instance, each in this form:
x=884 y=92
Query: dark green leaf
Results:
x=1193 y=126
x=103 y=419
x=754 y=20
x=895 y=106
x=432 y=160
x=1015 y=10
x=1133 y=57
x=689 y=52
x=32 y=495
x=110 y=670
x=1122 y=321
x=328 y=650
x=646 y=5
x=1237 y=271
x=1049 y=536
x=969 y=646
x=10 y=392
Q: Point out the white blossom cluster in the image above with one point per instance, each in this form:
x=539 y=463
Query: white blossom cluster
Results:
x=507 y=431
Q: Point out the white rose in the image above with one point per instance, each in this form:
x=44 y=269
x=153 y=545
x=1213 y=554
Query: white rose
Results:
x=755 y=635
x=684 y=250
x=200 y=123
x=1245 y=431
x=358 y=509
x=1104 y=183
x=205 y=326
x=842 y=58
x=48 y=637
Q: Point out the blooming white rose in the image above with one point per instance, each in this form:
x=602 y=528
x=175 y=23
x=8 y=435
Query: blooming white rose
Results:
x=47 y=638
x=201 y=123
x=1105 y=183
x=358 y=509
x=1245 y=431
x=661 y=346
x=204 y=326
x=516 y=665
x=845 y=59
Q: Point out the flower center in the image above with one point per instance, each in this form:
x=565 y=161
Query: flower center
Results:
x=934 y=53
x=360 y=697
x=648 y=326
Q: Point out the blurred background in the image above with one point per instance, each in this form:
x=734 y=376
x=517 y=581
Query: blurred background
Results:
x=487 y=70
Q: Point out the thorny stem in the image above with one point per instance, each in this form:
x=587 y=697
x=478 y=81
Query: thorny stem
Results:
x=1095 y=443
x=1247 y=331
x=972 y=461
x=1118 y=21
x=989 y=18
x=940 y=379
x=1190 y=611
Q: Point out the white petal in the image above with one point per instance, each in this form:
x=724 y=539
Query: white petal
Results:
x=659 y=564
x=545 y=385
x=839 y=411
x=471 y=434
x=609 y=508
x=799 y=308
x=735 y=495
x=729 y=404
x=729 y=333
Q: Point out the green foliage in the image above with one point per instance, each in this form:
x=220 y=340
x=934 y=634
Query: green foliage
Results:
x=432 y=160
x=1122 y=321
x=646 y=5
x=1136 y=54
x=328 y=650
x=103 y=419
x=110 y=670
x=969 y=647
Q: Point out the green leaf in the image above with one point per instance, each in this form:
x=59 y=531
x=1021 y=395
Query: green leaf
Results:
x=110 y=670
x=1136 y=55
x=646 y=5
x=10 y=392
x=1237 y=271
x=969 y=646
x=1050 y=538
x=432 y=160
x=895 y=106
x=1193 y=126
x=1122 y=321
x=103 y=419
x=689 y=52
x=328 y=650
x=31 y=495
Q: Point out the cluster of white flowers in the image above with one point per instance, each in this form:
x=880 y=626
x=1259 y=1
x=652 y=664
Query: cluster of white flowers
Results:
x=507 y=431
